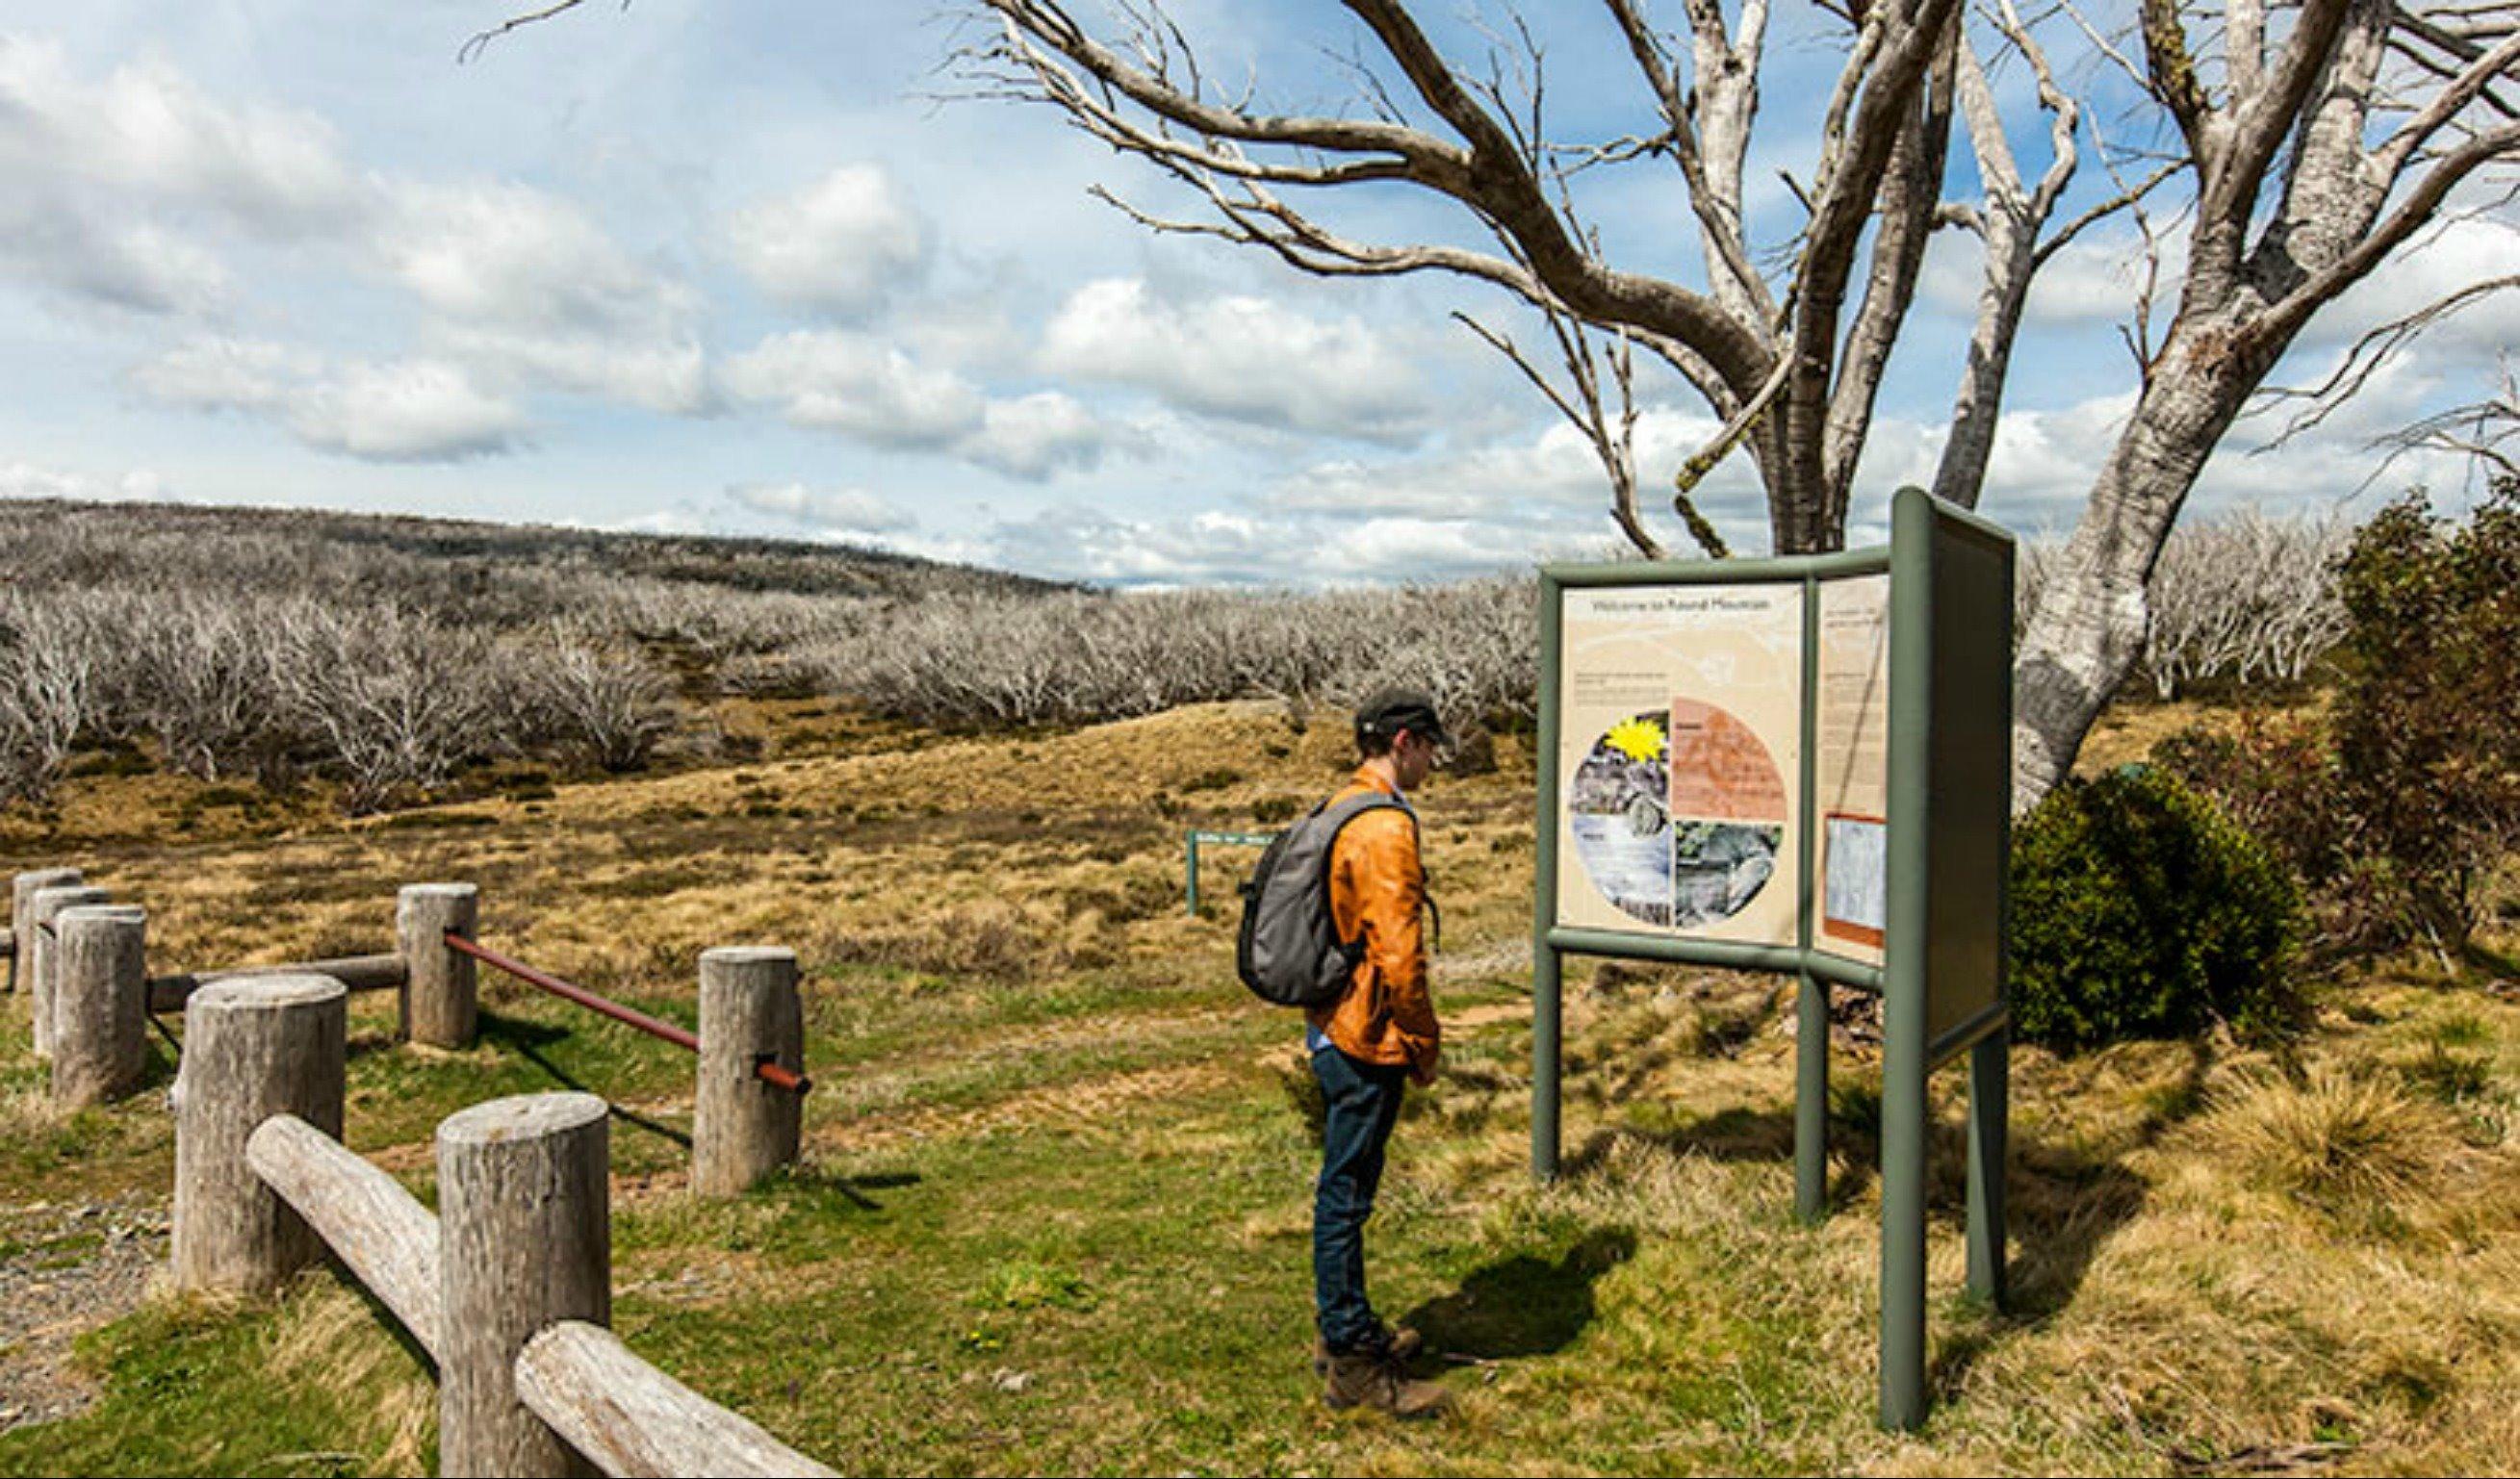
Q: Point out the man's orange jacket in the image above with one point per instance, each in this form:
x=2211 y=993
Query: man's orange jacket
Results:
x=1378 y=889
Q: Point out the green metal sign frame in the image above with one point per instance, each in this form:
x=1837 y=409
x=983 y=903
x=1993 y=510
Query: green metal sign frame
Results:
x=1949 y=785
x=1190 y=841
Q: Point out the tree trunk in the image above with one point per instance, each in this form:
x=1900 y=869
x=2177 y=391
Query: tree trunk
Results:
x=2090 y=624
x=1978 y=407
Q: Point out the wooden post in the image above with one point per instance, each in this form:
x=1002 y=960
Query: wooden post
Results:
x=741 y=1128
x=253 y=1048
x=100 y=1003
x=438 y=1001
x=22 y=898
x=40 y=911
x=525 y=1240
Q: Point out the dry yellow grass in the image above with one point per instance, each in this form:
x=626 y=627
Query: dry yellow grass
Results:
x=1000 y=857
x=2222 y=1258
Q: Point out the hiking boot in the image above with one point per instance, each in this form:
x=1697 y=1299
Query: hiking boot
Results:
x=1401 y=1344
x=1377 y=1380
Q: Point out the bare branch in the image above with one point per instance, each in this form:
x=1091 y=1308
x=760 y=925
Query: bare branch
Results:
x=2125 y=199
x=2169 y=73
x=2369 y=354
x=2470 y=85
x=2392 y=230
x=2483 y=430
x=473 y=45
x=1705 y=460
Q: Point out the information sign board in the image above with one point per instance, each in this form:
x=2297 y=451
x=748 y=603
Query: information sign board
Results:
x=1799 y=764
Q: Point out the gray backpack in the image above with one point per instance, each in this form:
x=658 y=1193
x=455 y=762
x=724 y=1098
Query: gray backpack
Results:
x=1288 y=951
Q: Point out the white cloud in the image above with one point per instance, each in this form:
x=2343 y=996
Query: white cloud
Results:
x=109 y=188
x=2457 y=254
x=228 y=373
x=1548 y=480
x=403 y=411
x=838 y=245
x=26 y=479
x=1039 y=435
x=832 y=380
x=509 y=254
x=523 y=290
x=132 y=265
x=667 y=373
x=409 y=410
x=2094 y=279
x=855 y=384
x=1240 y=358
x=146 y=133
x=1221 y=547
x=846 y=510
x=132 y=190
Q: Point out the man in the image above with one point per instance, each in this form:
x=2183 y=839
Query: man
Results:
x=1367 y=1045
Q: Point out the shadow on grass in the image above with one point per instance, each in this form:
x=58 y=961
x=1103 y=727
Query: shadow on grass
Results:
x=2063 y=1202
x=812 y=1177
x=384 y=1314
x=1523 y=1305
x=529 y=1038
x=2496 y=964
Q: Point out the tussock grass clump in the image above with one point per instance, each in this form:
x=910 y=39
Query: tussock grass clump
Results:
x=2341 y=1141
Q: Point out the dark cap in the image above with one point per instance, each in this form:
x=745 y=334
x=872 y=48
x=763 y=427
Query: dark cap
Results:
x=1393 y=709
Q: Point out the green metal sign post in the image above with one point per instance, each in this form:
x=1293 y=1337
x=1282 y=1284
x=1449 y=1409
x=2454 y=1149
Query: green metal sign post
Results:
x=1927 y=872
x=1190 y=841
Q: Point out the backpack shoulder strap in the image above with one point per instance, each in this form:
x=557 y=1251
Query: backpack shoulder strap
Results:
x=1338 y=816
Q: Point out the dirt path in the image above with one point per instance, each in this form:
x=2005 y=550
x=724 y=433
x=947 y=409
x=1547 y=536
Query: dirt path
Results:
x=66 y=1269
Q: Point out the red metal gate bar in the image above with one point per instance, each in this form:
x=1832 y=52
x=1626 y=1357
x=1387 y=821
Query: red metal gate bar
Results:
x=768 y=1072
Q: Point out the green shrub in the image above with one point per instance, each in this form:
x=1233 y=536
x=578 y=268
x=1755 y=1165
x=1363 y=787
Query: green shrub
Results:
x=2428 y=722
x=2278 y=776
x=2140 y=910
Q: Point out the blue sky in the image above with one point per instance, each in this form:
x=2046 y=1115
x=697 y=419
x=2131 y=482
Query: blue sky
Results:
x=738 y=269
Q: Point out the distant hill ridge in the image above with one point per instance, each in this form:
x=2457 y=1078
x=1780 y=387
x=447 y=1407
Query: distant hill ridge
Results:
x=74 y=531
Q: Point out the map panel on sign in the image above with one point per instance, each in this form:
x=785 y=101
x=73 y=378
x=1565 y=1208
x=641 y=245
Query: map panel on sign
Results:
x=1680 y=721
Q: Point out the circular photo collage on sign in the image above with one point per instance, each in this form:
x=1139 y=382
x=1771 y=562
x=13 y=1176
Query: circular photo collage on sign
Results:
x=1678 y=814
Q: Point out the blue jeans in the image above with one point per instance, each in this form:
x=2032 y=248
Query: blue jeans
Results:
x=1360 y=1102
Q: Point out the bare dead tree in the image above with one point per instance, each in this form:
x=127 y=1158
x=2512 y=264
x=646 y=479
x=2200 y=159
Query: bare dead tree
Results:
x=2318 y=152
x=2246 y=598
x=1789 y=365
x=2320 y=137
x=1763 y=349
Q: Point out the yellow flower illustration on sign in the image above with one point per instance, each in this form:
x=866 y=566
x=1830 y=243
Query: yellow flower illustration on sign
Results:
x=1637 y=738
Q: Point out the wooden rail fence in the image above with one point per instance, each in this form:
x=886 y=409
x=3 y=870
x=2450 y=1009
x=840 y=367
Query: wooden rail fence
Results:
x=82 y=958
x=508 y=1288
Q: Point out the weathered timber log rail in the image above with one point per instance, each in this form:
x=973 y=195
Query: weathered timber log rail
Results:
x=508 y=1288
x=167 y=994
